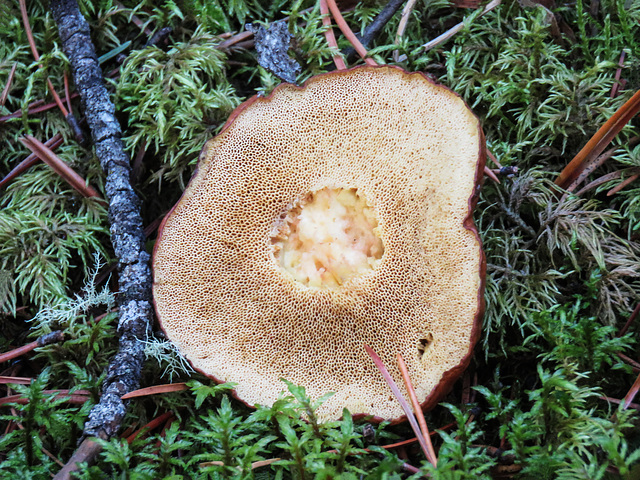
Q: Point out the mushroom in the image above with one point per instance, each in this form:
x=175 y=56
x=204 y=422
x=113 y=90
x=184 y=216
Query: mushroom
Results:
x=323 y=218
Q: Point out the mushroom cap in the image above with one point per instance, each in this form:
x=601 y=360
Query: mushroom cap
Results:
x=415 y=152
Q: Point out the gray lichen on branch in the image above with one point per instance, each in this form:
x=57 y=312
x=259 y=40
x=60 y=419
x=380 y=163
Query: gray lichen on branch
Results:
x=127 y=236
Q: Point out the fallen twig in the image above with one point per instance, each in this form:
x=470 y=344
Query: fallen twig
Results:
x=134 y=299
x=47 y=339
x=404 y=19
x=456 y=28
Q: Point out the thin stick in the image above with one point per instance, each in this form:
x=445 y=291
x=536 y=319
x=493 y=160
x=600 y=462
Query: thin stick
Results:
x=404 y=19
x=417 y=409
x=456 y=28
x=347 y=32
x=330 y=36
x=46 y=339
x=7 y=87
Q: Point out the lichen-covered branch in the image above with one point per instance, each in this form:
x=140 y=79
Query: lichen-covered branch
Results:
x=123 y=373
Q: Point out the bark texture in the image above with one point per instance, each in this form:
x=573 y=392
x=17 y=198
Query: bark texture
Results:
x=272 y=45
x=127 y=236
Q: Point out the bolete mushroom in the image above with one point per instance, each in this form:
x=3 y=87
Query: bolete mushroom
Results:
x=323 y=218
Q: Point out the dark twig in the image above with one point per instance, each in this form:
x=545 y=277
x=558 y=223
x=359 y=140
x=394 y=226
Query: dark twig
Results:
x=375 y=27
x=53 y=337
x=127 y=236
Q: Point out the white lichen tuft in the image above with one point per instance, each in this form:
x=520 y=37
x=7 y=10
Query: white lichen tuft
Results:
x=167 y=354
x=65 y=314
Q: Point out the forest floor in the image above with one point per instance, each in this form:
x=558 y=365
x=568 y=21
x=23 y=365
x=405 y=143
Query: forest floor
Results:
x=550 y=390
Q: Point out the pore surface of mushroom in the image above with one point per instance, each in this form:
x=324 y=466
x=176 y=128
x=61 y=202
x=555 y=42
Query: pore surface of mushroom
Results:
x=321 y=219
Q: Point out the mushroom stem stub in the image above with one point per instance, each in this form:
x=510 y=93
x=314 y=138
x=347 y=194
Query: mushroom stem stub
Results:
x=323 y=218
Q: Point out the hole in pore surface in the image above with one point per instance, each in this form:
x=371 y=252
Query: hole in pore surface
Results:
x=424 y=343
x=328 y=237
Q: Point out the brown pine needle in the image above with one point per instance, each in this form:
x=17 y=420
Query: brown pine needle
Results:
x=596 y=145
x=493 y=158
x=330 y=36
x=633 y=391
x=36 y=55
x=401 y=400
x=7 y=87
x=348 y=33
x=17 y=352
x=167 y=388
x=35 y=107
x=78 y=397
x=618 y=402
x=489 y=173
x=67 y=173
x=156 y=422
x=632 y=318
x=623 y=184
x=15 y=380
x=629 y=360
x=417 y=409
x=53 y=143
x=607 y=178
